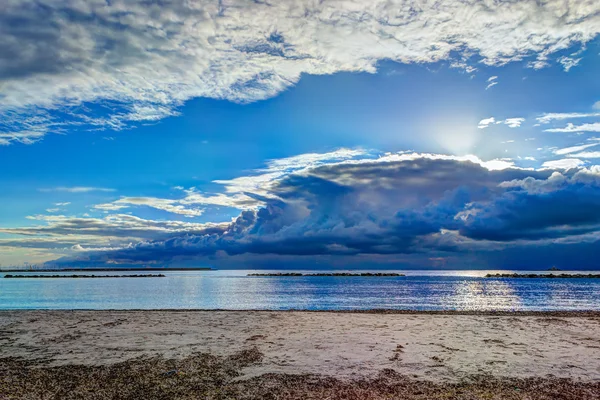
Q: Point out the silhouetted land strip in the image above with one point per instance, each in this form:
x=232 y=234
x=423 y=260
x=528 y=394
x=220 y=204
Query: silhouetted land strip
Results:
x=343 y=274
x=86 y=276
x=104 y=269
x=549 y=276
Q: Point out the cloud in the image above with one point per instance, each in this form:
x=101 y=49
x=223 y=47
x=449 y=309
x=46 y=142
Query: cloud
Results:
x=245 y=192
x=569 y=62
x=484 y=123
x=588 y=154
x=141 y=61
x=514 y=122
x=62 y=204
x=61 y=230
x=395 y=204
x=341 y=204
x=570 y=128
x=76 y=189
x=574 y=149
x=511 y=122
x=566 y=163
x=492 y=81
x=168 y=205
x=596 y=105
x=546 y=118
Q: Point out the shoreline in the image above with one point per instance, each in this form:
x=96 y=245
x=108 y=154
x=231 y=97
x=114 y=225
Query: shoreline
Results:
x=384 y=311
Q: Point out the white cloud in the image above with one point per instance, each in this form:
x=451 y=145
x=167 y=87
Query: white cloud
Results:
x=514 y=122
x=546 y=118
x=574 y=149
x=484 y=123
x=537 y=186
x=588 y=154
x=570 y=128
x=62 y=204
x=143 y=60
x=110 y=207
x=493 y=81
x=566 y=163
x=511 y=122
x=168 y=205
x=596 y=105
x=569 y=62
x=76 y=189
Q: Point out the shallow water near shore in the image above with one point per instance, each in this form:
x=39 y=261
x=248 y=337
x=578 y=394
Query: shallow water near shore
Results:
x=418 y=290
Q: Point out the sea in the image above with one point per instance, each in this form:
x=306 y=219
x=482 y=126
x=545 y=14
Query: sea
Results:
x=234 y=290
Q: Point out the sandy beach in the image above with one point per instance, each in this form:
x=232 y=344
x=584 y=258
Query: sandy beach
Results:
x=425 y=348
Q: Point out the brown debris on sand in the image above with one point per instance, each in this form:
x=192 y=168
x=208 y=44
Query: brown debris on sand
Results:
x=205 y=376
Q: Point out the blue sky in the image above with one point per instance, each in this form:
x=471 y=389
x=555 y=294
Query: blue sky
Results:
x=182 y=134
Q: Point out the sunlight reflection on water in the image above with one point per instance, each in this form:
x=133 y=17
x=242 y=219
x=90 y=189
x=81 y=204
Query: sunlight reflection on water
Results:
x=419 y=290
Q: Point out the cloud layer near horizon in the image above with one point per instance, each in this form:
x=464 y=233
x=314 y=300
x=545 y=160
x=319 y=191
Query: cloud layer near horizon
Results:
x=414 y=205
x=138 y=61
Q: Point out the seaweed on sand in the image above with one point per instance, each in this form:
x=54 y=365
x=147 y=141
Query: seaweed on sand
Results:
x=205 y=376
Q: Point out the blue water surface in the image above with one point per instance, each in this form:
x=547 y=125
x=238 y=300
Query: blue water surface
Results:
x=418 y=290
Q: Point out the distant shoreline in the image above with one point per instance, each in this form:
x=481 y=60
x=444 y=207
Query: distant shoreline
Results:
x=105 y=270
x=336 y=274
x=82 y=276
x=550 y=275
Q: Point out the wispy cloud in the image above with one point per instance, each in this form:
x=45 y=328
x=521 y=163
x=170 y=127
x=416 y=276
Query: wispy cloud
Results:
x=588 y=154
x=168 y=205
x=569 y=62
x=546 y=118
x=142 y=61
x=492 y=81
x=511 y=122
x=571 y=128
x=574 y=149
x=76 y=189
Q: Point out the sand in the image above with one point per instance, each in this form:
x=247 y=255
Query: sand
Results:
x=440 y=348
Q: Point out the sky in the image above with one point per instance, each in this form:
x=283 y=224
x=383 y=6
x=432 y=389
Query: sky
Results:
x=300 y=134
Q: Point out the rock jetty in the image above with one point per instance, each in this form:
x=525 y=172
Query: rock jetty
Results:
x=86 y=276
x=543 y=276
x=343 y=274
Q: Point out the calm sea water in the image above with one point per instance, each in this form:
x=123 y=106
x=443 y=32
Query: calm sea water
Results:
x=419 y=290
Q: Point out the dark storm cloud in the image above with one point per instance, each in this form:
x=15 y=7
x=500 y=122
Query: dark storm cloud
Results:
x=401 y=207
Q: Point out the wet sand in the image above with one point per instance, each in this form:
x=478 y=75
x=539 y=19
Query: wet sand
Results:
x=438 y=349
